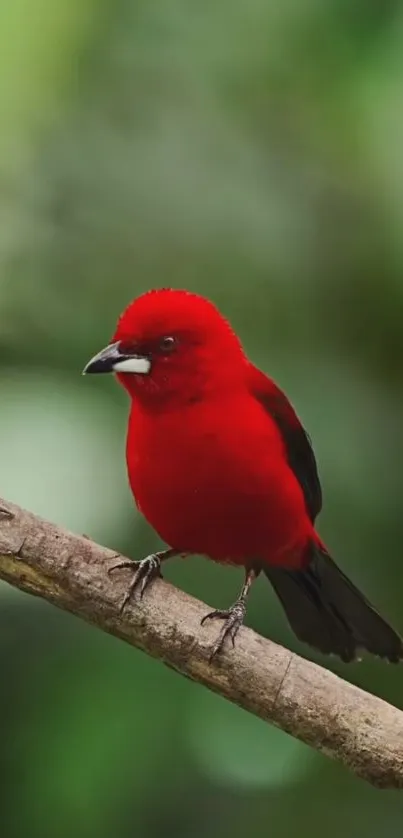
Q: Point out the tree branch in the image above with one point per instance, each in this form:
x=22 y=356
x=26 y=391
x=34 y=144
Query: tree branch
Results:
x=307 y=701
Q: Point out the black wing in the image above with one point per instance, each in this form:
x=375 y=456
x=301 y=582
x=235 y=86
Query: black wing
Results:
x=300 y=454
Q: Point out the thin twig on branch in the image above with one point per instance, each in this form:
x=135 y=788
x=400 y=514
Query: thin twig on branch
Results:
x=307 y=701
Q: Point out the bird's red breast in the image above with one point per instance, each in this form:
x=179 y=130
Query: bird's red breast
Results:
x=212 y=477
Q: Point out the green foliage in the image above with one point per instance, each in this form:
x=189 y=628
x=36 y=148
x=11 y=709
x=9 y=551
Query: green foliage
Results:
x=252 y=152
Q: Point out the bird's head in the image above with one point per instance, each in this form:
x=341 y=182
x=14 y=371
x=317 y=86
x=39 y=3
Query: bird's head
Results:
x=171 y=345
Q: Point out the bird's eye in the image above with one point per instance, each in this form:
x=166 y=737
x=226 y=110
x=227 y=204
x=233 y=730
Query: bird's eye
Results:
x=167 y=344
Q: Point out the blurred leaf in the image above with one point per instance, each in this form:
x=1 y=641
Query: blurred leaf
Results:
x=69 y=443
x=36 y=67
x=233 y=747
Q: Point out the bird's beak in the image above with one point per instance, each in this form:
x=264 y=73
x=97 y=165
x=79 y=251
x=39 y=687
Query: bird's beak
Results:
x=113 y=359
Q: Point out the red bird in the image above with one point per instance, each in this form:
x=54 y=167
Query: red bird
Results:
x=220 y=465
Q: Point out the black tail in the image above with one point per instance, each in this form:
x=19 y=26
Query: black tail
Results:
x=328 y=612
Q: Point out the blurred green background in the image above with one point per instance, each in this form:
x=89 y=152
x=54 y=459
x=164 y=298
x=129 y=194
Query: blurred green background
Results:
x=251 y=150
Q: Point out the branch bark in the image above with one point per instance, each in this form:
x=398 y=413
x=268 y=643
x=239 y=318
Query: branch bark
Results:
x=305 y=700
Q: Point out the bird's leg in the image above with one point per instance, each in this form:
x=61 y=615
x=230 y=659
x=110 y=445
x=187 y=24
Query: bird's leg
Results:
x=143 y=572
x=233 y=617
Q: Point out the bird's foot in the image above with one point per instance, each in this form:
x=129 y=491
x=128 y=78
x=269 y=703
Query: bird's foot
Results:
x=234 y=618
x=143 y=573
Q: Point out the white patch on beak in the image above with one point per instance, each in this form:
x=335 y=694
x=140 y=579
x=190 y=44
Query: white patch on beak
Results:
x=138 y=365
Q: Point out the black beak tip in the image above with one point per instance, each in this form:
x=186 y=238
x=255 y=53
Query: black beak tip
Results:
x=96 y=366
x=104 y=361
x=89 y=368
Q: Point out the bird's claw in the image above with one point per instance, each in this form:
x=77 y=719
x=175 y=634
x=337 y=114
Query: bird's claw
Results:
x=234 y=618
x=143 y=573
